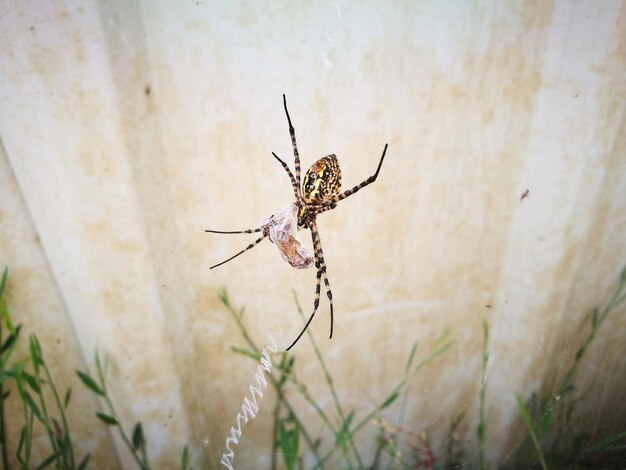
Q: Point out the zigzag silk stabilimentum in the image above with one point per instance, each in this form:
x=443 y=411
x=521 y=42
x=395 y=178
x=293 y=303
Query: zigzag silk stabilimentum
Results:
x=249 y=408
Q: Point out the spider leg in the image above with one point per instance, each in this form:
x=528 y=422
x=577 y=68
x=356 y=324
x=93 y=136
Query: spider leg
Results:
x=249 y=247
x=292 y=133
x=317 y=246
x=250 y=230
x=316 y=303
x=321 y=273
x=369 y=180
x=294 y=184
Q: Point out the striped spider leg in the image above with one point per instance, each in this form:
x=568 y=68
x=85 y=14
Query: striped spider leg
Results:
x=249 y=247
x=281 y=229
x=320 y=264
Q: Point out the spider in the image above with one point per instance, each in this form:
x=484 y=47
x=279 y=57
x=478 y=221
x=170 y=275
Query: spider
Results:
x=317 y=193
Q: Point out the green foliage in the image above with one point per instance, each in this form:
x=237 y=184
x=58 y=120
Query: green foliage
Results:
x=185 y=461
x=548 y=420
x=289 y=440
x=137 y=447
x=482 y=422
x=90 y=383
x=555 y=438
x=531 y=430
x=287 y=431
x=34 y=383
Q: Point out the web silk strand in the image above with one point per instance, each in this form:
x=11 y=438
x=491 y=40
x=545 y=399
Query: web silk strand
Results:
x=249 y=408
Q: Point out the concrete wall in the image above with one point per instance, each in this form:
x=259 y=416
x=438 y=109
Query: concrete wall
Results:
x=128 y=128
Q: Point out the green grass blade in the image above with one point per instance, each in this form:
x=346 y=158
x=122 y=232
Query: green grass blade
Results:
x=48 y=461
x=344 y=430
x=35 y=351
x=606 y=444
x=20 y=447
x=223 y=296
x=101 y=369
x=68 y=396
x=107 y=419
x=33 y=406
x=139 y=441
x=90 y=383
x=531 y=430
x=83 y=463
x=246 y=352
x=3 y=283
x=409 y=361
x=390 y=399
x=185 y=459
x=545 y=421
x=482 y=422
x=11 y=339
x=288 y=440
x=32 y=381
x=4 y=316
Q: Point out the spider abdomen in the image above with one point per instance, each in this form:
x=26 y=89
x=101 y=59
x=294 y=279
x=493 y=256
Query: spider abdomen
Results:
x=323 y=181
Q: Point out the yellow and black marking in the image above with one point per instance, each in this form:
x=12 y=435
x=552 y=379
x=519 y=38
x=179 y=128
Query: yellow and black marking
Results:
x=323 y=181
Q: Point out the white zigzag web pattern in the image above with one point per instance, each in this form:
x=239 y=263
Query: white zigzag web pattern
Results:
x=249 y=408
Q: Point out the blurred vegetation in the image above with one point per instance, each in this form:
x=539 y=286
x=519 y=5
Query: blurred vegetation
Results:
x=42 y=407
x=346 y=426
x=39 y=397
x=558 y=439
x=555 y=437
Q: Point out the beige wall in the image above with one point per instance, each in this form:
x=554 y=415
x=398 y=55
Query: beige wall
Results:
x=128 y=128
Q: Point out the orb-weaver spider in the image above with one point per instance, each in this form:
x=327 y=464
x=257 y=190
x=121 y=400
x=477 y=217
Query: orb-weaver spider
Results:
x=319 y=192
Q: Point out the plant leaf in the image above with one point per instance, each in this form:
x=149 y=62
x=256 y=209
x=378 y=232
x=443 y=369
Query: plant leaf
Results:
x=529 y=425
x=90 y=383
x=545 y=422
x=245 y=352
x=33 y=406
x=32 y=381
x=390 y=399
x=83 y=463
x=4 y=315
x=411 y=357
x=3 y=283
x=223 y=295
x=102 y=369
x=606 y=444
x=49 y=460
x=288 y=440
x=10 y=341
x=35 y=351
x=344 y=430
x=68 y=396
x=138 y=437
x=185 y=458
x=108 y=419
x=20 y=446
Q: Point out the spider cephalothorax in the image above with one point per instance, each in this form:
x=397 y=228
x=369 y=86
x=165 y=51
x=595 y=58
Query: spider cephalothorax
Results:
x=319 y=192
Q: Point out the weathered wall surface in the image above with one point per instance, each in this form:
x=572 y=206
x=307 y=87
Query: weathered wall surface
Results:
x=128 y=128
